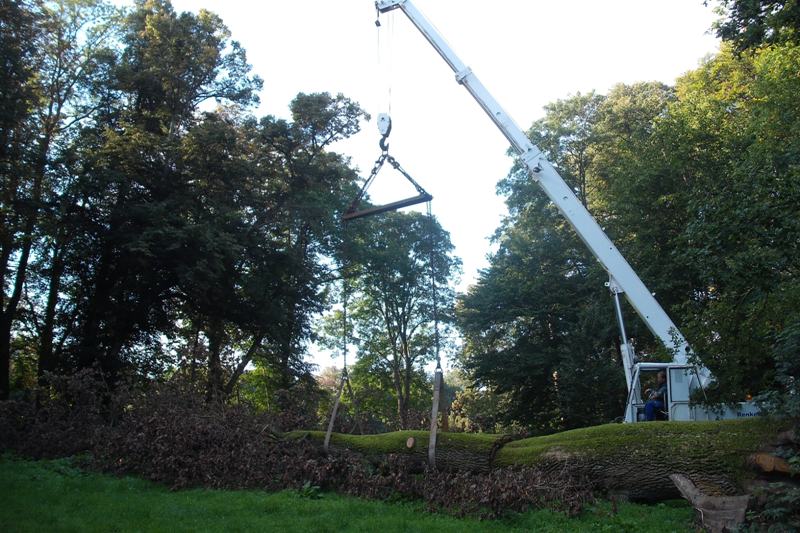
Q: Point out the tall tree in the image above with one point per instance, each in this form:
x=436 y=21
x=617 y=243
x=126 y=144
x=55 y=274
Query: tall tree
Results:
x=316 y=183
x=638 y=196
x=394 y=305
x=267 y=193
x=130 y=217
x=18 y=34
x=136 y=192
x=539 y=326
x=698 y=187
x=566 y=133
x=68 y=43
x=735 y=126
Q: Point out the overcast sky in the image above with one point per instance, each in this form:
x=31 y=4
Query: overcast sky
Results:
x=527 y=53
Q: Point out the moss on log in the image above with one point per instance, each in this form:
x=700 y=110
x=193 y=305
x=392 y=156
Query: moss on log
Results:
x=631 y=460
x=459 y=451
x=636 y=460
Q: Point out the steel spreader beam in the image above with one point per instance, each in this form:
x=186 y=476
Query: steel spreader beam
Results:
x=414 y=200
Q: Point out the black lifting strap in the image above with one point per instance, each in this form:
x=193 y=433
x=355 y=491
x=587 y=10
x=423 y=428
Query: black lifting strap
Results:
x=353 y=212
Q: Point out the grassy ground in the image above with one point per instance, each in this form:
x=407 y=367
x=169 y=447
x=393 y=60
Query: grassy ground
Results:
x=55 y=496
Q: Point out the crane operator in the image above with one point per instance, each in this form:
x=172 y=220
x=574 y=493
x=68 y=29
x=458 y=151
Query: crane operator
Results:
x=657 y=398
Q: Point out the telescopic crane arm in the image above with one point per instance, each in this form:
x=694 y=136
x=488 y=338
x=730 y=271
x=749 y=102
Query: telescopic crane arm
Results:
x=622 y=278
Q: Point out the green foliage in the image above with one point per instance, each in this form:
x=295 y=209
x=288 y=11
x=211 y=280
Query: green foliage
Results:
x=752 y=23
x=735 y=116
x=784 y=399
x=373 y=384
x=566 y=134
x=538 y=325
x=698 y=187
x=55 y=58
x=19 y=31
x=173 y=62
x=475 y=410
x=143 y=235
x=148 y=234
x=396 y=319
x=776 y=507
x=312 y=492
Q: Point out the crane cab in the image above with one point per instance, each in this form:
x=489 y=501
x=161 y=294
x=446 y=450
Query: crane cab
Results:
x=682 y=381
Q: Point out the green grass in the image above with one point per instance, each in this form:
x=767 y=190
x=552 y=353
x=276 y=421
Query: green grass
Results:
x=55 y=496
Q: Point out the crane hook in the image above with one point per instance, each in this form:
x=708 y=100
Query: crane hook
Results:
x=385 y=128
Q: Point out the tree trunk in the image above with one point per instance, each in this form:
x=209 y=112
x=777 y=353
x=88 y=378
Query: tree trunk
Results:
x=407 y=375
x=246 y=358
x=402 y=403
x=10 y=311
x=5 y=358
x=193 y=367
x=634 y=461
x=8 y=314
x=98 y=297
x=215 y=333
x=47 y=361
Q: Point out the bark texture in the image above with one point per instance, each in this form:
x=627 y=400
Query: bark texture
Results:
x=631 y=461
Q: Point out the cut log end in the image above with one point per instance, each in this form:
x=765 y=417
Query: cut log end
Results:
x=718 y=513
x=767 y=463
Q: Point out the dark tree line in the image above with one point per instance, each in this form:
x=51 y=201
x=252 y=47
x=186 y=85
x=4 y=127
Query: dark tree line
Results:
x=142 y=228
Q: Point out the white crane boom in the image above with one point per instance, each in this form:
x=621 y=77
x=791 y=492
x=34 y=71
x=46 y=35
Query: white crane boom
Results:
x=623 y=279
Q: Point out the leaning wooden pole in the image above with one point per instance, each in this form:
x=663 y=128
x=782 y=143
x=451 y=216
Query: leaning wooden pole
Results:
x=334 y=411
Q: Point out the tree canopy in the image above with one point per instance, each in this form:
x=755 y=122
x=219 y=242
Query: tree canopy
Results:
x=141 y=231
x=398 y=270
x=751 y=23
x=151 y=225
x=697 y=184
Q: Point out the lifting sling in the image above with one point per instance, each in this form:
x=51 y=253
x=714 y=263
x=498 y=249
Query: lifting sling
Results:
x=438 y=377
x=353 y=212
x=385 y=127
x=344 y=381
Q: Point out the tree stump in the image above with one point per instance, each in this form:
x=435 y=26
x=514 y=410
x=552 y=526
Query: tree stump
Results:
x=717 y=513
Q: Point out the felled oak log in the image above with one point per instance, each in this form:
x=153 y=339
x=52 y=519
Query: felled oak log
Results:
x=628 y=460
